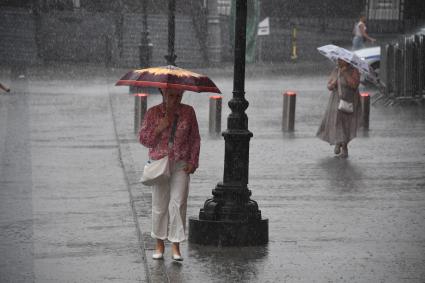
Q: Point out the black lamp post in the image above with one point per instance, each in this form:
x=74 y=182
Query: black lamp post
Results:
x=231 y=218
x=145 y=55
x=171 y=56
x=145 y=47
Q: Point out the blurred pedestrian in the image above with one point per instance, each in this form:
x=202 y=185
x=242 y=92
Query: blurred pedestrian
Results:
x=169 y=198
x=360 y=34
x=338 y=127
x=5 y=88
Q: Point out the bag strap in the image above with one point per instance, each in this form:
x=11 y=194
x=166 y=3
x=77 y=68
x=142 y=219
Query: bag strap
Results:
x=173 y=131
x=339 y=83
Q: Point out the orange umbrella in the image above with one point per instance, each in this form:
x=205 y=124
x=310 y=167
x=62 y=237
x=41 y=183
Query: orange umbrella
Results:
x=169 y=77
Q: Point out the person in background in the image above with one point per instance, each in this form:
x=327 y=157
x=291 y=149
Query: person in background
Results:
x=169 y=198
x=360 y=34
x=3 y=87
x=339 y=128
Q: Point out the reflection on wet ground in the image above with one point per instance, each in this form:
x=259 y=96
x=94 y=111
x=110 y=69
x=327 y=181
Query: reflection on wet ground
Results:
x=357 y=220
x=330 y=219
x=343 y=176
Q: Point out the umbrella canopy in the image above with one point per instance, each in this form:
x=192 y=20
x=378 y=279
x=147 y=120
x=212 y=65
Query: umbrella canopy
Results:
x=169 y=77
x=334 y=52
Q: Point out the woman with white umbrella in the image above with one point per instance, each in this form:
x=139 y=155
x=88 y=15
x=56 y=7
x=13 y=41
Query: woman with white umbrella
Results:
x=342 y=116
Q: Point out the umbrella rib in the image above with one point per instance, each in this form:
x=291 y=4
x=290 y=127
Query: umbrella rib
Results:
x=168 y=85
x=169 y=77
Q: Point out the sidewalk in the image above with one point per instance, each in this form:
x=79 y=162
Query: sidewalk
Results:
x=330 y=220
x=64 y=203
x=74 y=211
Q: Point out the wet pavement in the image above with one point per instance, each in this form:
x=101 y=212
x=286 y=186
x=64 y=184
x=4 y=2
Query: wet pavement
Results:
x=73 y=210
x=65 y=214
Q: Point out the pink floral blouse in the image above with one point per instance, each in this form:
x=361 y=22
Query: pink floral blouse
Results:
x=186 y=140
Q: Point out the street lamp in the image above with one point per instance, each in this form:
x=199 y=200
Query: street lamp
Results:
x=171 y=56
x=145 y=55
x=145 y=47
x=231 y=218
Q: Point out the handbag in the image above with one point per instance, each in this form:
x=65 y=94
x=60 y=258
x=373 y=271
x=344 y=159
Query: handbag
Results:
x=156 y=171
x=159 y=170
x=343 y=105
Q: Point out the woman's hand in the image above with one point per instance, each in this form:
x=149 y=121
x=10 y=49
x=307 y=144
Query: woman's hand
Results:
x=189 y=168
x=332 y=84
x=162 y=125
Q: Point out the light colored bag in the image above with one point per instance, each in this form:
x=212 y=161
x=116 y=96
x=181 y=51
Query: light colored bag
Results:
x=156 y=171
x=344 y=106
x=159 y=170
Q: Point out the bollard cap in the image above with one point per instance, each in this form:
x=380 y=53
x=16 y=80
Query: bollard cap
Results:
x=216 y=97
x=290 y=93
x=141 y=94
x=364 y=94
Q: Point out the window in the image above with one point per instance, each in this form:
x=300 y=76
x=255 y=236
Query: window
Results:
x=76 y=4
x=223 y=7
x=385 y=4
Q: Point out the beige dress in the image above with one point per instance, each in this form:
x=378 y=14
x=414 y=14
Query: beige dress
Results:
x=338 y=126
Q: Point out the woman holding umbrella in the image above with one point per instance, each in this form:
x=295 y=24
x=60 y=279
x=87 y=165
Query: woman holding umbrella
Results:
x=169 y=198
x=170 y=128
x=339 y=127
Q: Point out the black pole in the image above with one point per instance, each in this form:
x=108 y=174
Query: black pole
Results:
x=145 y=47
x=171 y=56
x=231 y=218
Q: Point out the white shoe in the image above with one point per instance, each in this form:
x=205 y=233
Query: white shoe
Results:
x=177 y=257
x=158 y=256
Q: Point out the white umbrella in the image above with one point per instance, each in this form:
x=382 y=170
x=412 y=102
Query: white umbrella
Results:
x=334 y=52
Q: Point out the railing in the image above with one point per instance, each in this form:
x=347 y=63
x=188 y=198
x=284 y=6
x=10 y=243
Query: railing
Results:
x=402 y=70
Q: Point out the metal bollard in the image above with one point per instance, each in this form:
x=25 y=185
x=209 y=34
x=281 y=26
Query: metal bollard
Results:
x=215 y=115
x=365 y=109
x=140 y=107
x=288 y=115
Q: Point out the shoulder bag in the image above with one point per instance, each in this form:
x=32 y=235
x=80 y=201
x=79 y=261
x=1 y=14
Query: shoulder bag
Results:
x=159 y=170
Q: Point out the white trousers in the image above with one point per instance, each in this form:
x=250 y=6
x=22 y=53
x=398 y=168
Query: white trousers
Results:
x=169 y=205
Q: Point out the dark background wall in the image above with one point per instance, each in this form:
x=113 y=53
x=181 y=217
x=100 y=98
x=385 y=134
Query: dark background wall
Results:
x=414 y=9
x=312 y=8
x=18 y=37
x=37 y=31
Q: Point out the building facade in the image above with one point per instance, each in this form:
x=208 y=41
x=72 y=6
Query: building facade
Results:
x=39 y=31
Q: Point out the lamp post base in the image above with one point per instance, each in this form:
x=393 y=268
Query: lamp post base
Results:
x=225 y=233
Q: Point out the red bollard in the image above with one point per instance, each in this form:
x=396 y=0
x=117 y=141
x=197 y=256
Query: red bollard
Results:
x=215 y=115
x=140 y=107
x=288 y=115
x=365 y=109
